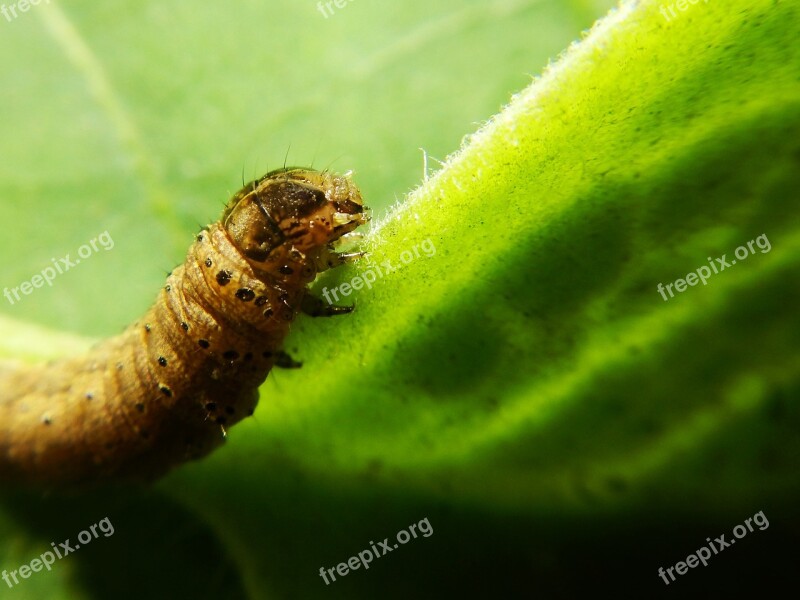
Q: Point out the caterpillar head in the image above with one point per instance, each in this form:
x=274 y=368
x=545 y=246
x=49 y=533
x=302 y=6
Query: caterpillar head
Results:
x=293 y=207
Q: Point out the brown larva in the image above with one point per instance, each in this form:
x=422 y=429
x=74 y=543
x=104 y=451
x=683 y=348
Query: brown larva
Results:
x=165 y=390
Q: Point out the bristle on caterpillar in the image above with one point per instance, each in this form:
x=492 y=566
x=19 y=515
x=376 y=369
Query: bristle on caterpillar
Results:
x=165 y=390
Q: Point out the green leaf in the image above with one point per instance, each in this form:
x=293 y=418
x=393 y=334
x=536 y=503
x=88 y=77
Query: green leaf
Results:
x=526 y=387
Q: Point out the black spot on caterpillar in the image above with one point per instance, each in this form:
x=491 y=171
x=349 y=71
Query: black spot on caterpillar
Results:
x=164 y=390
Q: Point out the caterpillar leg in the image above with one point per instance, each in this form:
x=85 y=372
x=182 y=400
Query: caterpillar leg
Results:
x=317 y=307
x=284 y=361
x=328 y=258
x=347 y=239
x=348 y=257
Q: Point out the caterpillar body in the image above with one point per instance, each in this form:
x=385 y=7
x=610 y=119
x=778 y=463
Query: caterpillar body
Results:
x=163 y=391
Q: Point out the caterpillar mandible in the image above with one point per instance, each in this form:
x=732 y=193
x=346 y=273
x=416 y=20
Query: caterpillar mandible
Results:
x=163 y=391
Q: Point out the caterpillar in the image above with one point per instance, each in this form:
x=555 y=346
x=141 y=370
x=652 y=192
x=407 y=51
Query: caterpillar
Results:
x=166 y=389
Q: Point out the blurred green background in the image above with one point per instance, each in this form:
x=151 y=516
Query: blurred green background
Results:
x=142 y=118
